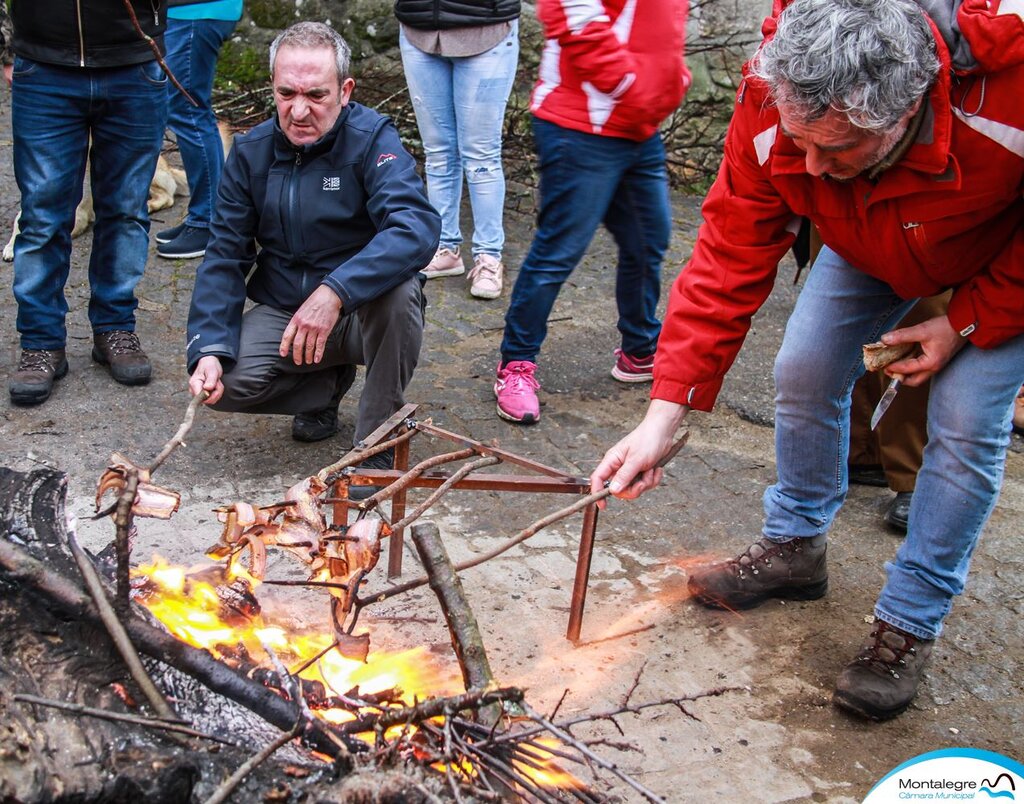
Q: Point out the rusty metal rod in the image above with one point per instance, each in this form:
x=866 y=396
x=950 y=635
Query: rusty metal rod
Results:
x=370 y=446
x=489 y=482
x=484 y=449
x=420 y=509
x=408 y=477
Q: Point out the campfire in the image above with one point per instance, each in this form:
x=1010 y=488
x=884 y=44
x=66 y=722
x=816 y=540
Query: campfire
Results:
x=341 y=706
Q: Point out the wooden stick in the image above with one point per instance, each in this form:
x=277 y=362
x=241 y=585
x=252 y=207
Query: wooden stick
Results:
x=117 y=632
x=437 y=493
x=403 y=482
x=178 y=439
x=523 y=535
x=432 y=707
x=121 y=717
x=122 y=541
x=66 y=596
x=568 y=739
x=222 y=793
x=156 y=52
x=462 y=624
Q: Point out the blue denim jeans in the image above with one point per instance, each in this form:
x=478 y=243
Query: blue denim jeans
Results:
x=586 y=179
x=969 y=411
x=116 y=117
x=192 y=48
x=460 y=108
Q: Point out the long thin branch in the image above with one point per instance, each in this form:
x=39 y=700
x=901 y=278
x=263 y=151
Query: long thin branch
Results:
x=178 y=439
x=520 y=537
x=117 y=631
x=121 y=717
x=405 y=480
x=223 y=792
x=437 y=493
x=433 y=707
x=156 y=52
x=611 y=767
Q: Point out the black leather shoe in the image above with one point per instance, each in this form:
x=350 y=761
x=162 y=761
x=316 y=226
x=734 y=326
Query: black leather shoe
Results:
x=898 y=512
x=316 y=426
x=320 y=424
x=382 y=460
x=863 y=474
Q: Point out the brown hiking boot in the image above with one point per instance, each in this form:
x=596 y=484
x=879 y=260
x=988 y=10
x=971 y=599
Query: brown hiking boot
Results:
x=38 y=369
x=882 y=681
x=795 y=570
x=122 y=353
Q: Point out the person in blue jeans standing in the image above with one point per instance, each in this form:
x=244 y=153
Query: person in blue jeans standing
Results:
x=610 y=73
x=460 y=61
x=195 y=32
x=86 y=87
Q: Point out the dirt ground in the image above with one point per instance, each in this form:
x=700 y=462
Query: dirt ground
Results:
x=774 y=737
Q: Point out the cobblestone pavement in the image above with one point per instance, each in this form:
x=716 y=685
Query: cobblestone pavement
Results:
x=774 y=737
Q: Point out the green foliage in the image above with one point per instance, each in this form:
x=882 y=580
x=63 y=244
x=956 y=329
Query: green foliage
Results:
x=242 y=67
x=271 y=13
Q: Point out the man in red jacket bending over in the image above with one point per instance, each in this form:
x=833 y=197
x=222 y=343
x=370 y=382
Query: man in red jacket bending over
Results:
x=611 y=71
x=907 y=153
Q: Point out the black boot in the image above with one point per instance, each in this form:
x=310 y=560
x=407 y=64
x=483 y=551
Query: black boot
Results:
x=882 y=681
x=320 y=424
x=382 y=460
x=795 y=570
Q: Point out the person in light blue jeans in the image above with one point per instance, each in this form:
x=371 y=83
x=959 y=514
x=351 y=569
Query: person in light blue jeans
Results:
x=195 y=33
x=460 y=76
x=962 y=471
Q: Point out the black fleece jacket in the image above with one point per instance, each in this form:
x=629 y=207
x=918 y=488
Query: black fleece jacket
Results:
x=87 y=33
x=348 y=211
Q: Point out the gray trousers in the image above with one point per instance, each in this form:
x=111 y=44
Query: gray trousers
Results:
x=384 y=335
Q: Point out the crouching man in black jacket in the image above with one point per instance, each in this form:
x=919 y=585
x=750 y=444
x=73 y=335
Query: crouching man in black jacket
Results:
x=325 y=202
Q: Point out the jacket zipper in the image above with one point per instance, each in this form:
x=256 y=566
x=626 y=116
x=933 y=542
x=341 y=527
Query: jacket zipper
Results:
x=292 y=214
x=81 y=34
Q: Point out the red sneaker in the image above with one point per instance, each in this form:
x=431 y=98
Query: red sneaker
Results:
x=516 y=389
x=633 y=369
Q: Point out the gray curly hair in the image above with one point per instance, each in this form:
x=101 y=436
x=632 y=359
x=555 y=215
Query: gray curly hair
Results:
x=871 y=60
x=314 y=35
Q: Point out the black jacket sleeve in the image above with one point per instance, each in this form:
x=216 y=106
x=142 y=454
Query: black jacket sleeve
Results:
x=218 y=297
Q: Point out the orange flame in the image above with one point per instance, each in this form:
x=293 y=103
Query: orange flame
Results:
x=191 y=609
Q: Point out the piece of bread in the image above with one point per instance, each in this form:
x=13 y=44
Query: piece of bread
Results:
x=877 y=355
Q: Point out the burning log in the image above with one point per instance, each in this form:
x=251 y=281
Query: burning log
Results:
x=62 y=595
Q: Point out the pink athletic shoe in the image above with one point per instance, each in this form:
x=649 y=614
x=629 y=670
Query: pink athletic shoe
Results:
x=633 y=369
x=516 y=389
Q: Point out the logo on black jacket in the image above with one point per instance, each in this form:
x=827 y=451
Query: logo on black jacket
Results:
x=332 y=182
x=383 y=159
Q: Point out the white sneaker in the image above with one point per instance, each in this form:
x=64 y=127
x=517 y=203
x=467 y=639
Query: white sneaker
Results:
x=485 y=277
x=446 y=262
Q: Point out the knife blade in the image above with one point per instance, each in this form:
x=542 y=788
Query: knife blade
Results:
x=886 y=400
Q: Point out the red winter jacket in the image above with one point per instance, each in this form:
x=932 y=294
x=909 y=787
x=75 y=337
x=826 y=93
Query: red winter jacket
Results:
x=613 y=68
x=949 y=214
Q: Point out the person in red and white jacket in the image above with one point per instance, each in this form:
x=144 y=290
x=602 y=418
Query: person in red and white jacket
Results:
x=610 y=73
x=897 y=128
